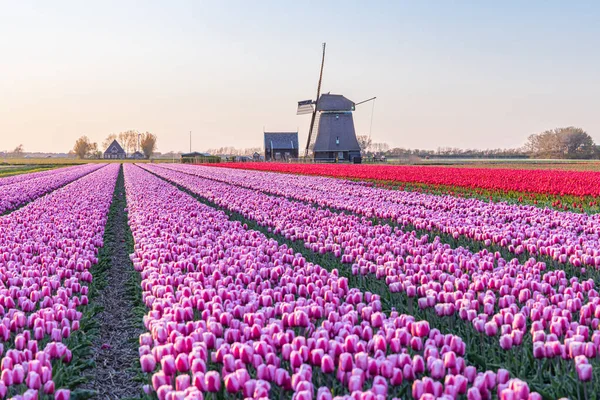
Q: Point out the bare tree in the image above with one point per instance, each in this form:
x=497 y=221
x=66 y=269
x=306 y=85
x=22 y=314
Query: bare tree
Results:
x=18 y=151
x=93 y=151
x=109 y=139
x=82 y=147
x=128 y=140
x=380 y=147
x=364 y=142
x=148 y=143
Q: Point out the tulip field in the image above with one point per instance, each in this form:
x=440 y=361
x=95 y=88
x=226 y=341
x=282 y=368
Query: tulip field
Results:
x=560 y=189
x=313 y=284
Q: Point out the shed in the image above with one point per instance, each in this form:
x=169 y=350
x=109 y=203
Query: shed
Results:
x=281 y=146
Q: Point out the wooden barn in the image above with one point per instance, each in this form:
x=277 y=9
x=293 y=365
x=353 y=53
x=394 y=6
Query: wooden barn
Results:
x=281 y=146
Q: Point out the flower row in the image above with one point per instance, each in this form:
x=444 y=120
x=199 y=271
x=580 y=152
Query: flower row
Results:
x=32 y=175
x=556 y=182
x=563 y=236
x=46 y=251
x=21 y=191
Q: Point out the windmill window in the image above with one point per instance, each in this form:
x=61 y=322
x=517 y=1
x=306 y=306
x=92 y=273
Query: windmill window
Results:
x=337 y=116
x=337 y=140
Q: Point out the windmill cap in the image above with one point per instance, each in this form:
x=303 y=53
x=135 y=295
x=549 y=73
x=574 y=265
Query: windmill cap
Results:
x=334 y=102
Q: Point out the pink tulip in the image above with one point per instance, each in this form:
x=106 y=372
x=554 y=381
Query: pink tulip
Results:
x=168 y=365
x=506 y=342
x=18 y=375
x=437 y=369
x=232 y=384
x=397 y=378
x=148 y=363
x=48 y=387
x=324 y=394
x=474 y=394
x=182 y=363
x=33 y=380
x=62 y=394
x=213 y=381
x=327 y=365
x=584 y=372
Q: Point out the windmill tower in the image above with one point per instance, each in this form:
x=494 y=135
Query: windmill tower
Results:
x=335 y=136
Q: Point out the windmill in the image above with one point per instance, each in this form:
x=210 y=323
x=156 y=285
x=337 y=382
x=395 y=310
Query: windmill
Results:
x=335 y=138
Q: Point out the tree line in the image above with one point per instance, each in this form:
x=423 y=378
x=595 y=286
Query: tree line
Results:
x=570 y=142
x=128 y=140
x=559 y=143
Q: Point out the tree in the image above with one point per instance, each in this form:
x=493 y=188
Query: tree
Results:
x=18 y=151
x=83 y=147
x=93 y=151
x=109 y=139
x=364 y=142
x=148 y=143
x=128 y=140
x=567 y=142
x=380 y=147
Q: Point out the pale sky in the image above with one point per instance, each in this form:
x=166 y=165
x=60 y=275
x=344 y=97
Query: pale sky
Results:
x=470 y=74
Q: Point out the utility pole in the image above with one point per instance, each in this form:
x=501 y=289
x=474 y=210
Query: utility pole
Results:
x=190 y=141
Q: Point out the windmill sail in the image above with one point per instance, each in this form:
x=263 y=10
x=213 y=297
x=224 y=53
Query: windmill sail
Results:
x=315 y=133
x=305 y=107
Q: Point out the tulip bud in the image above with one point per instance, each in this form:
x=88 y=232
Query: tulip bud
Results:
x=48 y=387
x=584 y=372
x=62 y=394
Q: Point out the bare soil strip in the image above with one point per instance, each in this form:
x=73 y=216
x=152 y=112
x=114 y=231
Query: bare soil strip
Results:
x=119 y=321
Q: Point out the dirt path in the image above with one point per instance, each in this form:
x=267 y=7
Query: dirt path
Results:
x=114 y=349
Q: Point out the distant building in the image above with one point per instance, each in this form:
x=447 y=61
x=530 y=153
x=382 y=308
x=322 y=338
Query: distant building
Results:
x=138 y=156
x=194 y=154
x=198 y=158
x=115 y=151
x=281 y=146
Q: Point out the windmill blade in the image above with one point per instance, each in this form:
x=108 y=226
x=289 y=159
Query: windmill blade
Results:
x=312 y=120
x=305 y=107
